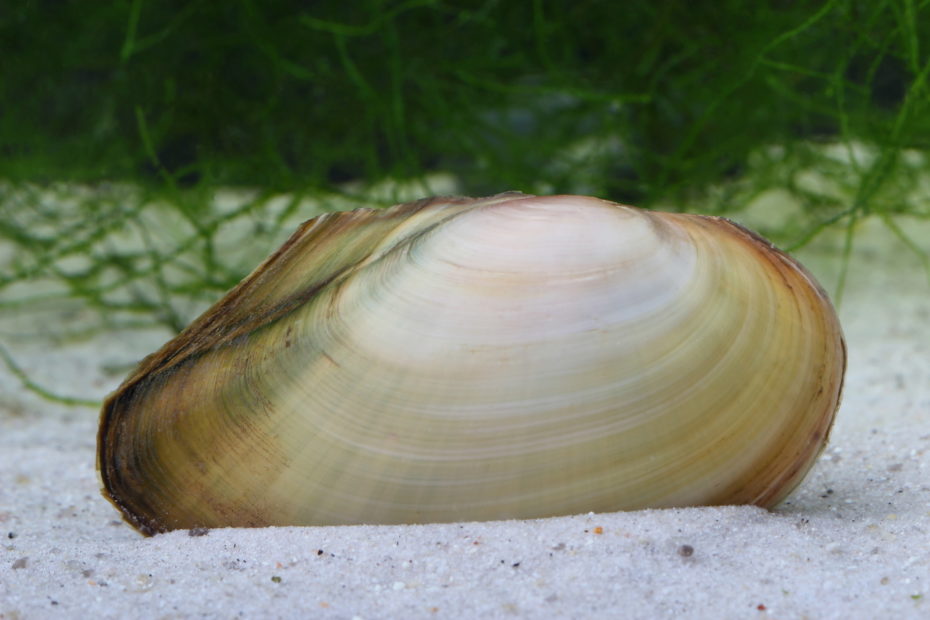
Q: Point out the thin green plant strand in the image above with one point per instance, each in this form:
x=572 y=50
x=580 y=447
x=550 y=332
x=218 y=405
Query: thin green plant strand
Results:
x=35 y=388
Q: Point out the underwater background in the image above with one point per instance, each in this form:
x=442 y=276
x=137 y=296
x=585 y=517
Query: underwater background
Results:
x=153 y=152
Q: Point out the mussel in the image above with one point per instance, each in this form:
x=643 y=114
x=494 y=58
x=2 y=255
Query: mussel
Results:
x=506 y=357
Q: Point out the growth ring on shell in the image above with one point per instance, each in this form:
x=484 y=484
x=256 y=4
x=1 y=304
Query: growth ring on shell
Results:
x=473 y=359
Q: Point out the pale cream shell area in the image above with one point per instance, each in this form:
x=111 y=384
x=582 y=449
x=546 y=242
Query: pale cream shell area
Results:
x=473 y=359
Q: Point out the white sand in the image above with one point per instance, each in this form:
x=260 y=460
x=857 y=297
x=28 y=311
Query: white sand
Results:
x=852 y=542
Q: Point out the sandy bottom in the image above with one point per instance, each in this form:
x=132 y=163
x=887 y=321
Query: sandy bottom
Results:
x=852 y=542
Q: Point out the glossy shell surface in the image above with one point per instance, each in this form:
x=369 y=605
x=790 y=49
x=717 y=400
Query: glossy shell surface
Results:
x=473 y=359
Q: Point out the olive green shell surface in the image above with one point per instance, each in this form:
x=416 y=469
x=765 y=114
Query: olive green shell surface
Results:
x=462 y=359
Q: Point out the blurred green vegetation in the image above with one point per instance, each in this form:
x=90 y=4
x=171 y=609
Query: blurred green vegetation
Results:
x=503 y=94
x=121 y=122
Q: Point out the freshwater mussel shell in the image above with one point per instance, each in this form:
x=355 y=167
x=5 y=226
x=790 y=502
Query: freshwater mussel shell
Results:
x=475 y=359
